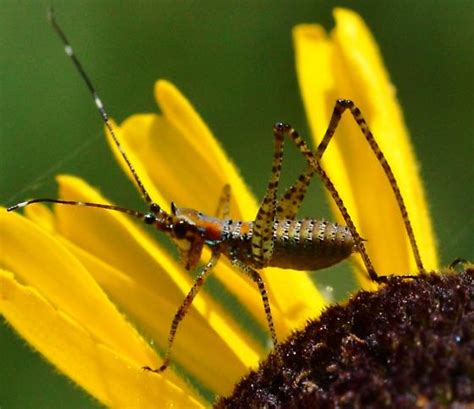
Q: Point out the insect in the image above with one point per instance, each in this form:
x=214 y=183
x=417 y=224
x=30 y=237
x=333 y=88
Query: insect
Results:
x=275 y=237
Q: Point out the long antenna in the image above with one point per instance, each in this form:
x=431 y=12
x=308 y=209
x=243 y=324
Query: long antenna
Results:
x=130 y=212
x=100 y=106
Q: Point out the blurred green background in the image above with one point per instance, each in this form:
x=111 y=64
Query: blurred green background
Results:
x=234 y=60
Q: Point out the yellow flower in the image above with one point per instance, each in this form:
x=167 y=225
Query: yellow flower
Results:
x=77 y=282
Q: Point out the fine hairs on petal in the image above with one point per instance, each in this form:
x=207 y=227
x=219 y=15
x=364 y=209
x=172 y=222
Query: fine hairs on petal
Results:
x=408 y=345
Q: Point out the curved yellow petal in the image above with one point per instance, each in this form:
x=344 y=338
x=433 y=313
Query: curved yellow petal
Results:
x=41 y=215
x=44 y=263
x=109 y=376
x=110 y=235
x=348 y=65
x=207 y=159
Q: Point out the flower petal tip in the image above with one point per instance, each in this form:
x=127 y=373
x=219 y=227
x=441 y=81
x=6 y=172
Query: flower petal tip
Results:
x=163 y=89
x=308 y=31
x=343 y=15
x=351 y=23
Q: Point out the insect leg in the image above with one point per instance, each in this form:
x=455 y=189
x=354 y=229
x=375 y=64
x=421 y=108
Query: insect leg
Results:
x=262 y=233
x=257 y=278
x=223 y=206
x=183 y=309
x=339 y=108
x=290 y=202
x=285 y=129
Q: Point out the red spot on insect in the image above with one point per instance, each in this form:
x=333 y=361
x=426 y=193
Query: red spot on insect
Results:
x=213 y=229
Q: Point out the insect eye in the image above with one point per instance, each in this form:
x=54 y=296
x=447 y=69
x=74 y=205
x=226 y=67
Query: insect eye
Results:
x=154 y=208
x=149 y=218
x=180 y=229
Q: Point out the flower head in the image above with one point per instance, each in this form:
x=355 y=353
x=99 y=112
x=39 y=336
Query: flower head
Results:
x=406 y=346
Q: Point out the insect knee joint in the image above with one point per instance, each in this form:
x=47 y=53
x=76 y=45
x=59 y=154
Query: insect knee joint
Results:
x=281 y=127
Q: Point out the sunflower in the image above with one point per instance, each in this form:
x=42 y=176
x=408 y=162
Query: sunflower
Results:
x=94 y=293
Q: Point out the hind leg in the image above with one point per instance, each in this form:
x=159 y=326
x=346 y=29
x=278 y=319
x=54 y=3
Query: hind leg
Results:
x=341 y=106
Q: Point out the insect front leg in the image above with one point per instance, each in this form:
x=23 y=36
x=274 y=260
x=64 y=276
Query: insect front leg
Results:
x=183 y=309
x=257 y=278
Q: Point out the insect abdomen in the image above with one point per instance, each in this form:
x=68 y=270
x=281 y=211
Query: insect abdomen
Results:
x=310 y=244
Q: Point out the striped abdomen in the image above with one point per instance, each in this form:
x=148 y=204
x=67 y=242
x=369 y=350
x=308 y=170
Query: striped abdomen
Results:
x=310 y=244
x=305 y=244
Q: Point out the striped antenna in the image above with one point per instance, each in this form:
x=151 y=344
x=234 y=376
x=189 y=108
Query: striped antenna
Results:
x=154 y=207
x=130 y=212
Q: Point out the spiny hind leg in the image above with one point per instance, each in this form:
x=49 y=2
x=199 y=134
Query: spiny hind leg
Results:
x=290 y=202
x=341 y=106
x=262 y=232
x=183 y=309
x=280 y=130
x=257 y=278
x=271 y=209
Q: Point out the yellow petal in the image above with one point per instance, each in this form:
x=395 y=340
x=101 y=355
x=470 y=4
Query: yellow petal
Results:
x=110 y=236
x=107 y=375
x=41 y=215
x=295 y=295
x=349 y=65
x=199 y=153
x=42 y=262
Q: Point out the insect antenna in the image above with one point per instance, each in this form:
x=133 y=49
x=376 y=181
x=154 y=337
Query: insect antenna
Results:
x=131 y=212
x=154 y=207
